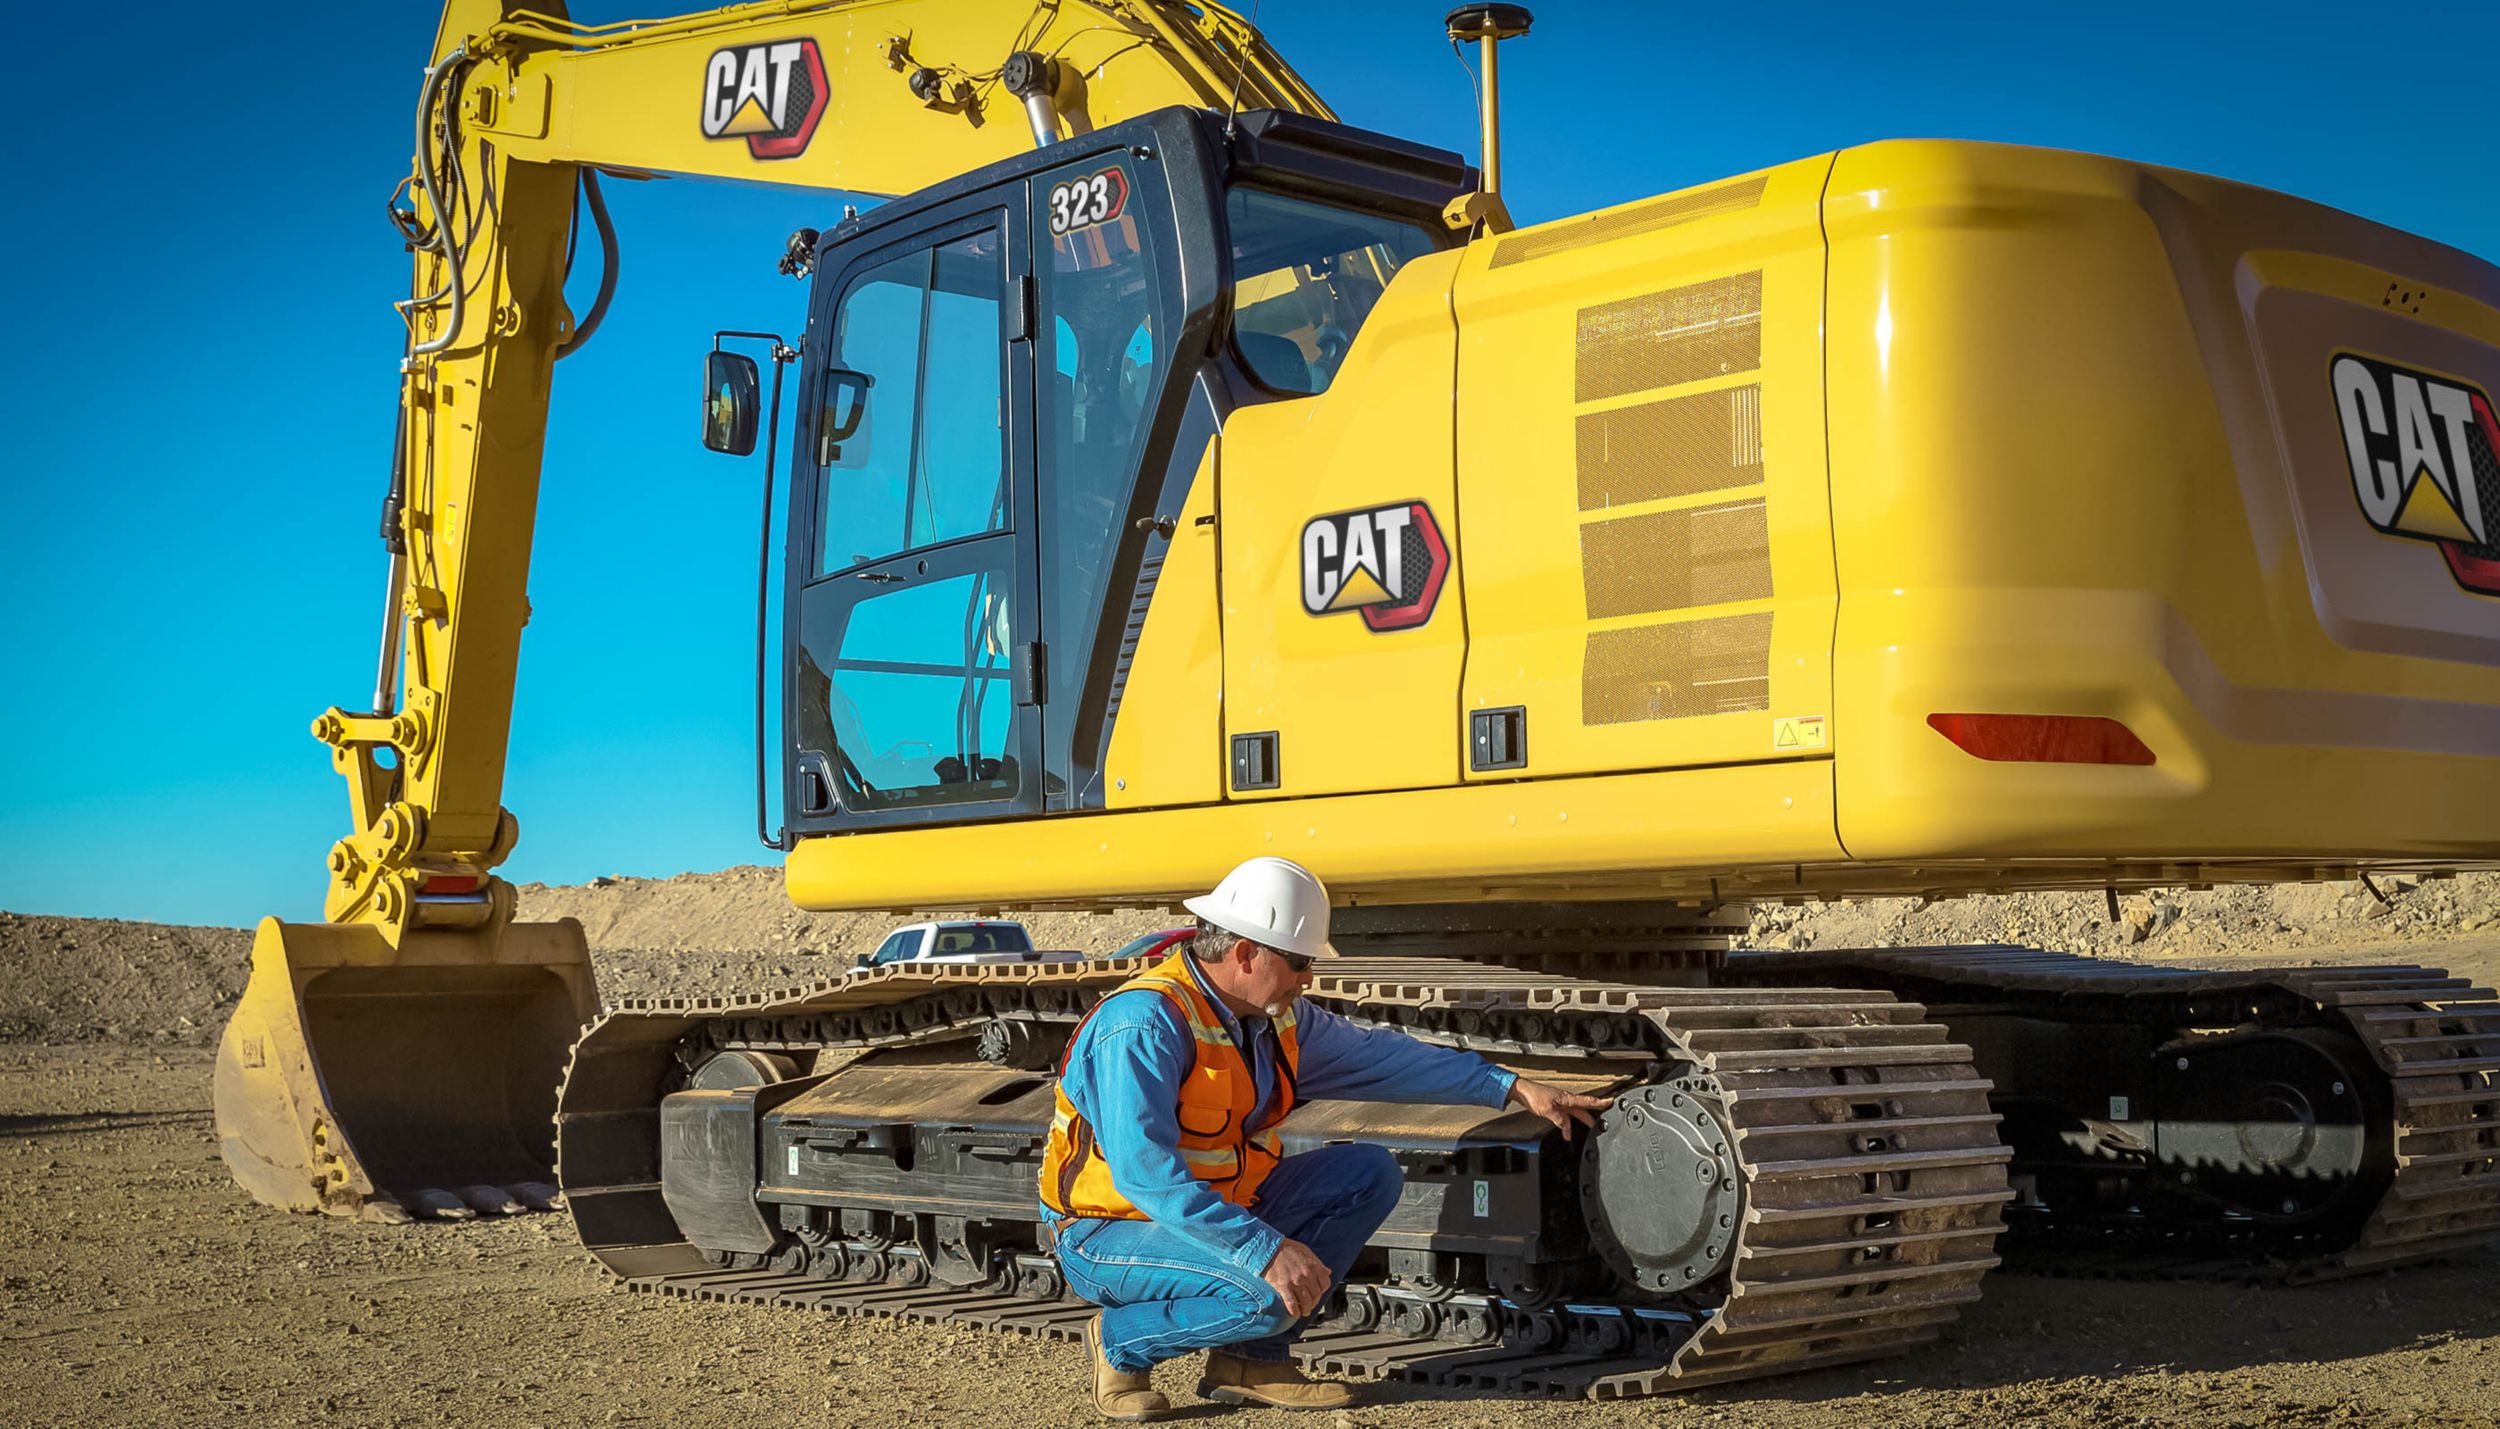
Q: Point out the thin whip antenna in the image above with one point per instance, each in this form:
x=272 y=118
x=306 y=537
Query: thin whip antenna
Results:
x=1241 y=66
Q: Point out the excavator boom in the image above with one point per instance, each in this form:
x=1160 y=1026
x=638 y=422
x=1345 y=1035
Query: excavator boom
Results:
x=404 y=1051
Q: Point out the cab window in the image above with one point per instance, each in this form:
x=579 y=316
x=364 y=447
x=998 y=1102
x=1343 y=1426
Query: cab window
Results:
x=1305 y=276
x=928 y=462
x=1102 y=340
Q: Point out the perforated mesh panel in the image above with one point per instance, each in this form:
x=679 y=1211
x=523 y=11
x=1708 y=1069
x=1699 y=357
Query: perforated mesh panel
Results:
x=1696 y=667
x=1645 y=218
x=2486 y=490
x=1703 y=555
x=1660 y=339
x=1679 y=447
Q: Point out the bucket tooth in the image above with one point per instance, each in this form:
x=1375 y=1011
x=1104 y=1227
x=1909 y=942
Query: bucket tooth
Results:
x=442 y=1205
x=537 y=1195
x=356 y=1070
x=490 y=1200
x=383 y=1211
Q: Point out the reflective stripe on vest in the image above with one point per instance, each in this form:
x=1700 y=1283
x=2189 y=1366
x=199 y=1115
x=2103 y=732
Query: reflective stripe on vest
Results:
x=1217 y=1099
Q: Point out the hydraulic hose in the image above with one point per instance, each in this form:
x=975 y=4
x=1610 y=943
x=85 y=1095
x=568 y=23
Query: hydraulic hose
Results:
x=427 y=97
x=607 y=268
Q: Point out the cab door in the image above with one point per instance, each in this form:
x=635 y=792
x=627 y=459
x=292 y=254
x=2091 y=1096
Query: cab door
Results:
x=911 y=680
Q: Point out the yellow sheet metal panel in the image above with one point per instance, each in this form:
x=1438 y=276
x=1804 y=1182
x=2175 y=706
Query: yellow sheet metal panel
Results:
x=1602 y=836
x=819 y=94
x=1353 y=707
x=1167 y=745
x=2065 y=483
x=1646 y=553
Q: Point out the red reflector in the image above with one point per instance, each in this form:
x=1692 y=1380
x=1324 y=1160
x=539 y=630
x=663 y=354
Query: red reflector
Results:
x=2043 y=739
x=448 y=884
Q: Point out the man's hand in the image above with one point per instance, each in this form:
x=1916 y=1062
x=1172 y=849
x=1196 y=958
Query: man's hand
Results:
x=1560 y=1107
x=1300 y=1277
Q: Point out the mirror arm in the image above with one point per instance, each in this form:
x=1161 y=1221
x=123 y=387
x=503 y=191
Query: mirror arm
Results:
x=782 y=353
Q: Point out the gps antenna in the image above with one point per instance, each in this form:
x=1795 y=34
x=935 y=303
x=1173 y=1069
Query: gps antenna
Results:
x=1488 y=25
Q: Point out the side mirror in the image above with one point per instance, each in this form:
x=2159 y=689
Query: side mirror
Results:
x=846 y=408
x=865 y=960
x=730 y=402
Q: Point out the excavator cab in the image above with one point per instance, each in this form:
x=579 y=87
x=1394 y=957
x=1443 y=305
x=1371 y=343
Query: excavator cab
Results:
x=1012 y=380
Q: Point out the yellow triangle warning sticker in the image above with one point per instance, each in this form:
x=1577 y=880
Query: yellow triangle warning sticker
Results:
x=1360 y=589
x=2427 y=512
x=750 y=119
x=1797 y=732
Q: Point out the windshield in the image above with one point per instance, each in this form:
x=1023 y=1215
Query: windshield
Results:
x=986 y=938
x=1305 y=276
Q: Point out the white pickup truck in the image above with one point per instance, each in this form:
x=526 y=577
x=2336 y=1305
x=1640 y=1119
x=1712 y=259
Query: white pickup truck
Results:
x=987 y=940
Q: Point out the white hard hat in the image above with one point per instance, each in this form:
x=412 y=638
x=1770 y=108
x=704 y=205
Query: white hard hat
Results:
x=1272 y=901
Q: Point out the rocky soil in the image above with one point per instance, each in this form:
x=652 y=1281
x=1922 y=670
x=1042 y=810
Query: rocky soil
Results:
x=137 y=1286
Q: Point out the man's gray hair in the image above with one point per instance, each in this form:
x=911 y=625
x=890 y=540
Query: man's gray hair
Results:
x=1210 y=943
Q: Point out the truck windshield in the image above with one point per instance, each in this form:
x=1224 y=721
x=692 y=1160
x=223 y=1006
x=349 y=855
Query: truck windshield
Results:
x=1305 y=276
x=987 y=938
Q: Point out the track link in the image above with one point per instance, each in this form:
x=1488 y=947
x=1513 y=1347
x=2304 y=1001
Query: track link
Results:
x=2435 y=1039
x=1873 y=1177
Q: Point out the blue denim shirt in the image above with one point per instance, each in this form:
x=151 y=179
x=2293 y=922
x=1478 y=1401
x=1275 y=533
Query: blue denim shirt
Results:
x=1124 y=1076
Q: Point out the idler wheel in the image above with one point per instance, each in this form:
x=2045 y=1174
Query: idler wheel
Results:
x=1661 y=1185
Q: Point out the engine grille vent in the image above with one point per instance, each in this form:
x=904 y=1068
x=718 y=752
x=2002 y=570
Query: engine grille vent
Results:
x=1624 y=223
x=1679 y=447
x=1660 y=339
x=1692 y=667
x=1669 y=560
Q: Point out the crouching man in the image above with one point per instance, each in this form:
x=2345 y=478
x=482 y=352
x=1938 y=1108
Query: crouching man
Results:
x=1166 y=1185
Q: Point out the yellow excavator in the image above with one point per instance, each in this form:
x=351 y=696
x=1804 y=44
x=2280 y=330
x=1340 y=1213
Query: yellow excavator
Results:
x=1178 y=474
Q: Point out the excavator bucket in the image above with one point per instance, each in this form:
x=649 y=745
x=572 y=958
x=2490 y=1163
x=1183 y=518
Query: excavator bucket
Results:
x=363 y=1079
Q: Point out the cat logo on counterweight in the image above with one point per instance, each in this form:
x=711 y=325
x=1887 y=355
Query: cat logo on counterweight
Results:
x=770 y=95
x=1386 y=561
x=2424 y=452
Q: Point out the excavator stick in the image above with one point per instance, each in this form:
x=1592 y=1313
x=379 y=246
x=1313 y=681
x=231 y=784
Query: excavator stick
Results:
x=362 y=1079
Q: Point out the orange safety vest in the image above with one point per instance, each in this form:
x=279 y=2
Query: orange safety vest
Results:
x=1217 y=1141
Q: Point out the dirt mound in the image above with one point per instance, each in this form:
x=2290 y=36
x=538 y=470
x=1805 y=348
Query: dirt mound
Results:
x=78 y=980
x=99 y=979
x=2234 y=921
x=736 y=931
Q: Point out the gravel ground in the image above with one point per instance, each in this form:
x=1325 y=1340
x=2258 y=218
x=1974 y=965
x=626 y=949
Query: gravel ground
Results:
x=138 y=1286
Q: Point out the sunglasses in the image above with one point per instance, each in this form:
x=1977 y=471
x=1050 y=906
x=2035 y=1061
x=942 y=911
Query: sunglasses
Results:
x=1299 y=962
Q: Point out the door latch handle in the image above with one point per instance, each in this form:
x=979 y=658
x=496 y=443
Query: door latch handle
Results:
x=884 y=577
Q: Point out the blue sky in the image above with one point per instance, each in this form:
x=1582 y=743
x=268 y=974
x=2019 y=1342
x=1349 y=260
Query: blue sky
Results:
x=201 y=349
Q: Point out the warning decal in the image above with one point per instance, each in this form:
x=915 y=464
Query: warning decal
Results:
x=1793 y=732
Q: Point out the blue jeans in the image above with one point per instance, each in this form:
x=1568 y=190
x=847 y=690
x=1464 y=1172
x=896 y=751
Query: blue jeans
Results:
x=1164 y=1294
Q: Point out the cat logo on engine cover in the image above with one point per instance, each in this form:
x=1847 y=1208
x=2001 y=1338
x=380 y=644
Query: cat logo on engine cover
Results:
x=1386 y=561
x=2424 y=452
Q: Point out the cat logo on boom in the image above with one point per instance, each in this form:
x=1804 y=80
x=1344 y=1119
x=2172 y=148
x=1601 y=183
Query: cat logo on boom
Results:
x=770 y=95
x=2425 y=458
x=1386 y=561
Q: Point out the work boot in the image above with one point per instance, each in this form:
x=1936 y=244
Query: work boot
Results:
x=1121 y=1395
x=1278 y=1386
